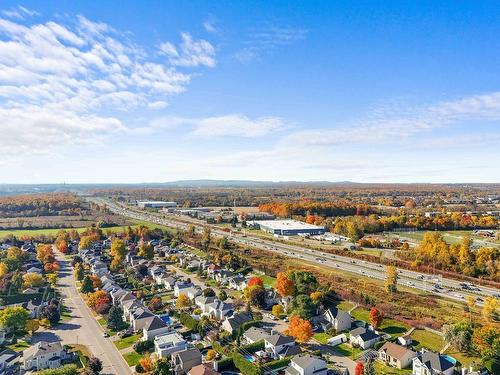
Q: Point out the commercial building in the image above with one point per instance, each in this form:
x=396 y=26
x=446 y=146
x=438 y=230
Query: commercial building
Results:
x=288 y=227
x=156 y=204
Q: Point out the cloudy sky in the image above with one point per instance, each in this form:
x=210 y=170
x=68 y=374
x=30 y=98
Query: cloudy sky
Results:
x=265 y=90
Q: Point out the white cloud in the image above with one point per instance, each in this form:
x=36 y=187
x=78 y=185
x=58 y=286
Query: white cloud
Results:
x=19 y=13
x=260 y=41
x=190 y=52
x=390 y=125
x=210 y=27
x=232 y=125
x=57 y=79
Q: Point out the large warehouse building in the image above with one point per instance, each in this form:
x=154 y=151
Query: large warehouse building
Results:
x=288 y=227
x=156 y=204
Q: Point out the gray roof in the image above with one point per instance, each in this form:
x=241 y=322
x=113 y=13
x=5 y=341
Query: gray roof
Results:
x=434 y=361
x=364 y=333
x=336 y=313
x=42 y=347
x=304 y=360
x=188 y=354
x=155 y=323
x=279 y=339
x=256 y=333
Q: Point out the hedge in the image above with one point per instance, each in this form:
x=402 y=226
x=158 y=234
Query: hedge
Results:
x=279 y=363
x=225 y=363
x=245 y=367
x=254 y=347
x=188 y=321
x=70 y=369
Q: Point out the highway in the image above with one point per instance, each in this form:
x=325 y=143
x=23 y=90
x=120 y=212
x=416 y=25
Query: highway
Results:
x=425 y=282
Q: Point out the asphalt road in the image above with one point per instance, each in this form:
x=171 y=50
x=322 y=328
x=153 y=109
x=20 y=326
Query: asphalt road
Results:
x=83 y=328
x=425 y=282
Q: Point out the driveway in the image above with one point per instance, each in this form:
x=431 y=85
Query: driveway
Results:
x=82 y=328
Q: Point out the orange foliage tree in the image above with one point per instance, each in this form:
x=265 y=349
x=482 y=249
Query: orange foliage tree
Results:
x=255 y=281
x=375 y=317
x=98 y=298
x=359 y=369
x=284 y=285
x=300 y=329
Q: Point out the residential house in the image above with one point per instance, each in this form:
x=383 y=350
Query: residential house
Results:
x=337 y=319
x=430 y=363
x=140 y=318
x=238 y=282
x=130 y=306
x=185 y=360
x=254 y=334
x=233 y=323
x=396 y=355
x=203 y=302
x=405 y=340
x=169 y=282
x=8 y=359
x=169 y=343
x=154 y=327
x=305 y=364
x=279 y=346
x=203 y=369
x=156 y=271
x=180 y=287
x=191 y=292
x=43 y=355
x=363 y=337
x=219 y=310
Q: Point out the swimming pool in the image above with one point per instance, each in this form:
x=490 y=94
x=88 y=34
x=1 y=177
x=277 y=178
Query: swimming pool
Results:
x=249 y=357
x=166 y=318
x=450 y=359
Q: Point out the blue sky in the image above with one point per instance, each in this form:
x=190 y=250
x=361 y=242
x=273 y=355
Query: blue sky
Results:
x=369 y=91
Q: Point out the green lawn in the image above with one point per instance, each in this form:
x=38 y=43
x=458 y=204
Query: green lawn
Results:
x=19 y=346
x=127 y=341
x=102 y=322
x=346 y=350
x=132 y=358
x=382 y=369
x=322 y=337
x=422 y=338
x=345 y=305
x=52 y=231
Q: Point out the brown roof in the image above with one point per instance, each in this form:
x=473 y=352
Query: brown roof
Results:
x=203 y=369
x=394 y=350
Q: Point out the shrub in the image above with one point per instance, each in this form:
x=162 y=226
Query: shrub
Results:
x=246 y=368
x=70 y=369
x=254 y=347
x=279 y=363
x=225 y=363
x=188 y=321
x=144 y=346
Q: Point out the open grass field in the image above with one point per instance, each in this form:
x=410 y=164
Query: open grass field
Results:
x=51 y=231
x=451 y=237
x=389 y=326
x=422 y=338
x=322 y=337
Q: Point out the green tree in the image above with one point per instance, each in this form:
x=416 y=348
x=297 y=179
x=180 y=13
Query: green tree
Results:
x=222 y=295
x=14 y=317
x=161 y=367
x=146 y=251
x=87 y=285
x=369 y=368
x=304 y=282
x=115 y=321
x=303 y=306
x=79 y=272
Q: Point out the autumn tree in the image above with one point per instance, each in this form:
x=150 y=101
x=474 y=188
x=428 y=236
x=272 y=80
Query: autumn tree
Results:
x=300 y=329
x=182 y=301
x=490 y=308
x=255 y=295
x=117 y=252
x=317 y=297
x=211 y=354
x=32 y=326
x=359 y=369
x=85 y=242
x=146 y=363
x=284 y=286
x=391 y=279
x=278 y=311
x=206 y=238
x=146 y=250
x=98 y=299
x=31 y=280
x=255 y=281
x=375 y=318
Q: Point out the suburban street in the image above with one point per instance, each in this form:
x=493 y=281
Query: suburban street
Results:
x=425 y=282
x=83 y=328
